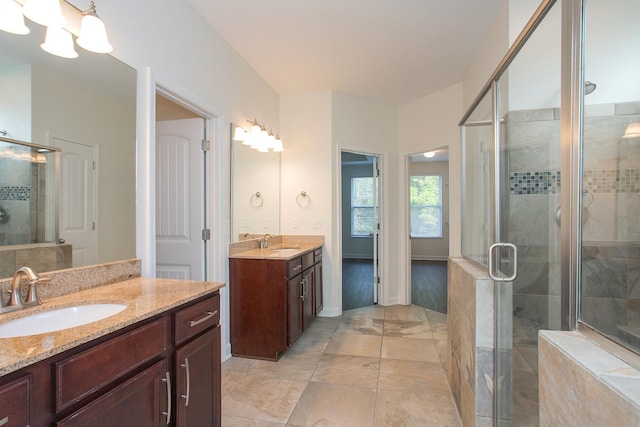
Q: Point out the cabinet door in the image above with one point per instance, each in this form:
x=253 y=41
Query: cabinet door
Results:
x=15 y=403
x=141 y=401
x=317 y=288
x=307 y=300
x=198 y=381
x=294 y=309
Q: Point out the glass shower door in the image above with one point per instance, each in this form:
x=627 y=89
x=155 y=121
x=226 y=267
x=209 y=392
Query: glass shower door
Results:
x=527 y=187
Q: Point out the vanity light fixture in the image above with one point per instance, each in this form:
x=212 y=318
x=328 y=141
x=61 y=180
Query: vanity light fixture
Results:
x=632 y=131
x=258 y=138
x=11 y=18
x=59 y=42
x=44 y=12
x=92 y=35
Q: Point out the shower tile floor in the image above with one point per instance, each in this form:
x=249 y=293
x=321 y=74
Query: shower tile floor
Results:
x=373 y=366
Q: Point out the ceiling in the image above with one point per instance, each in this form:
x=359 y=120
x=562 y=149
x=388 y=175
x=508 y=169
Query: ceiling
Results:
x=393 y=51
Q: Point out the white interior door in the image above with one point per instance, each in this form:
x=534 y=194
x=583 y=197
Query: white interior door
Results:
x=180 y=199
x=79 y=194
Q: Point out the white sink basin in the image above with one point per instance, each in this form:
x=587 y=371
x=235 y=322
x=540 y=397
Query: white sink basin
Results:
x=58 y=319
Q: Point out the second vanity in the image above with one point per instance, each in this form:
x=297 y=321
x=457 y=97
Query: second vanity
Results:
x=157 y=362
x=275 y=293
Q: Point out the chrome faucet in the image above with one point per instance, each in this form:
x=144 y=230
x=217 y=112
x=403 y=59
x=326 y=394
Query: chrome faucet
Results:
x=264 y=242
x=16 y=298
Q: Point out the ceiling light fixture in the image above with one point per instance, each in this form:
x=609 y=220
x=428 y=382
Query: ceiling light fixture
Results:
x=258 y=138
x=429 y=154
x=92 y=34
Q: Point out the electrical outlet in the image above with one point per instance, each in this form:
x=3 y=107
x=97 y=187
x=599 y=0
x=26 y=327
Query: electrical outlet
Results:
x=245 y=223
x=295 y=223
x=265 y=222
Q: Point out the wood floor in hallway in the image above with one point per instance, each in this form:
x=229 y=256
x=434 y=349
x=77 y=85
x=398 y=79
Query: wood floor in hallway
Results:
x=374 y=366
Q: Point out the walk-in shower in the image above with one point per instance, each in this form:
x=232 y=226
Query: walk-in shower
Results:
x=552 y=184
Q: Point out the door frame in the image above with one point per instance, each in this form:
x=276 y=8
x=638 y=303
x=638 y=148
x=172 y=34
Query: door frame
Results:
x=217 y=186
x=383 y=289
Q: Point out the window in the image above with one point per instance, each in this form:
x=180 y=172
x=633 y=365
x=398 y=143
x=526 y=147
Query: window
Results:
x=362 y=197
x=426 y=206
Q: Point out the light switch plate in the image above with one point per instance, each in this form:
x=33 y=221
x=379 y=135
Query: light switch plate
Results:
x=316 y=223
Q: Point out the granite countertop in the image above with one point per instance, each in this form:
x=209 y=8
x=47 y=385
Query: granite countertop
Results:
x=291 y=250
x=144 y=297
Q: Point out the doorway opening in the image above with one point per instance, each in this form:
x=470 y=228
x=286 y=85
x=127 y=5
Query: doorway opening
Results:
x=429 y=228
x=360 y=229
x=181 y=198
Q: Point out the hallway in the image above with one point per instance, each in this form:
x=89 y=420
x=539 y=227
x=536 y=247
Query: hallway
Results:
x=374 y=366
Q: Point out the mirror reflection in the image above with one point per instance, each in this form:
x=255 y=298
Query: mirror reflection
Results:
x=86 y=107
x=255 y=191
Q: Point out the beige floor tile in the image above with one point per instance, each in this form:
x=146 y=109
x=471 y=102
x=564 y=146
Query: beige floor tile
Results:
x=294 y=365
x=259 y=397
x=420 y=350
x=355 y=345
x=412 y=375
x=314 y=342
x=371 y=312
x=410 y=313
x=359 y=325
x=348 y=370
x=409 y=408
x=403 y=328
x=239 y=364
x=231 y=421
x=324 y=404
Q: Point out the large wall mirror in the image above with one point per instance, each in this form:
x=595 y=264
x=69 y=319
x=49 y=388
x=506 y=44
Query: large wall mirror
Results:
x=255 y=191
x=87 y=108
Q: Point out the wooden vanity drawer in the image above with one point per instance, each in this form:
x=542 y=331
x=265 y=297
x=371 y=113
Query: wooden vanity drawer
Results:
x=86 y=372
x=294 y=267
x=195 y=319
x=307 y=260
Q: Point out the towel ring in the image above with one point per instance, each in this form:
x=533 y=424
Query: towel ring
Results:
x=256 y=199
x=303 y=200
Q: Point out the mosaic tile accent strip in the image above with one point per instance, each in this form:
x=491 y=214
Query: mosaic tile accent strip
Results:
x=594 y=180
x=612 y=180
x=11 y=192
x=534 y=182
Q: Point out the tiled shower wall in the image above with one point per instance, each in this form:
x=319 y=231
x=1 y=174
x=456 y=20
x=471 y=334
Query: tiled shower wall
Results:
x=15 y=196
x=611 y=218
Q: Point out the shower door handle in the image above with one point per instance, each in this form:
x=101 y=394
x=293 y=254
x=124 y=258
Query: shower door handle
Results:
x=492 y=272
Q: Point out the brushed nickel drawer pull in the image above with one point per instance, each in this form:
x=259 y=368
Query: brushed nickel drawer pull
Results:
x=185 y=365
x=209 y=315
x=167 y=380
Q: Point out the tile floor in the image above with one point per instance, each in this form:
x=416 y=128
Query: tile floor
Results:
x=373 y=366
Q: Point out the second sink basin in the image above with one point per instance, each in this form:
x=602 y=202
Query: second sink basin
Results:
x=58 y=319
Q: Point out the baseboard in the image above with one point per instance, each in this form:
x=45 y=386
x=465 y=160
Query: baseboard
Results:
x=395 y=301
x=227 y=352
x=330 y=312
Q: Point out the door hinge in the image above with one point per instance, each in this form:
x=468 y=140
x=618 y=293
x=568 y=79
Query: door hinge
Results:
x=206 y=234
x=93 y=226
x=93 y=166
x=206 y=144
x=378 y=280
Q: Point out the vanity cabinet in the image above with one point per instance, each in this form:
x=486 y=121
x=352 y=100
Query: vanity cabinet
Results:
x=272 y=302
x=15 y=402
x=161 y=371
x=317 y=282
